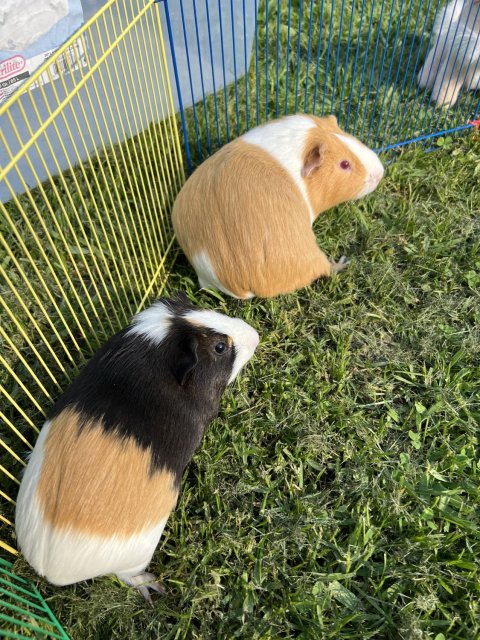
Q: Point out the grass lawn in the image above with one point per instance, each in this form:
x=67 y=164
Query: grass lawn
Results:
x=359 y=60
x=337 y=494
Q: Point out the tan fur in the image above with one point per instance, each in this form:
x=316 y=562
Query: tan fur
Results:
x=264 y=263
x=98 y=483
x=246 y=213
x=331 y=188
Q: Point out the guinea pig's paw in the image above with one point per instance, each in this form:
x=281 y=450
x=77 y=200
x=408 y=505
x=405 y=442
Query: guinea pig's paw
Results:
x=340 y=265
x=143 y=582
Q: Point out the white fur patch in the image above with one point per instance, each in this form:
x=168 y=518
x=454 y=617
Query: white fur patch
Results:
x=457 y=51
x=448 y=17
x=245 y=338
x=285 y=141
x=28 y=521
x=207 y=278
x=69 y=556
x=369 y=160
x=66 y=556
x=152 y=323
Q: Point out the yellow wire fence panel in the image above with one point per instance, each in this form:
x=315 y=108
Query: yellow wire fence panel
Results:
x=90 y=163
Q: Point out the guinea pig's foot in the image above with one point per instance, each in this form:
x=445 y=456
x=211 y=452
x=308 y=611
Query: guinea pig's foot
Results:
x=143 y=582
x=340 y=265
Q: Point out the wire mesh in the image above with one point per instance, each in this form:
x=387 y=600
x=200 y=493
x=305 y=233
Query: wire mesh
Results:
x=359 y=60
x=24 y=609
x=83 y=250
x=91 y=162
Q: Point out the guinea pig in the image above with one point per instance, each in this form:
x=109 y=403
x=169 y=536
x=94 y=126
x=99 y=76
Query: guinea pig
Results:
x=105 y=472
x=452 y=63
x=244 y=217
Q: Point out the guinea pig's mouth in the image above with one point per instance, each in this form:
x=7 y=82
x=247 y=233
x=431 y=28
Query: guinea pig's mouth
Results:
x=370 y=184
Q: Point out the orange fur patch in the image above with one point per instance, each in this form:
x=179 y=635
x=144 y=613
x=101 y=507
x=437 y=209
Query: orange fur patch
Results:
x=98 y=483
x=330 y=185
x=268 y=231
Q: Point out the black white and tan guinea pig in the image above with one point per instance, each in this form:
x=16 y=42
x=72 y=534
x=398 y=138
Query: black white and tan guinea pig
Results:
x=244 y=217
x=105 y=472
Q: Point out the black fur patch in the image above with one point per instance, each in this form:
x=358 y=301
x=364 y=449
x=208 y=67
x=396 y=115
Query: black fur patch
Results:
x=132 y=385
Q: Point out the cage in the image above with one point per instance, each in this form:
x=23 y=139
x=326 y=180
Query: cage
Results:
x=95 y=144
x=360 y=61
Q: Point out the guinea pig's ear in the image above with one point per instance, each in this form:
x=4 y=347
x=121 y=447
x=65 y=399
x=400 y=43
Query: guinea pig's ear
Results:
x=186 y=361
x=313 y=160
x=333 y=120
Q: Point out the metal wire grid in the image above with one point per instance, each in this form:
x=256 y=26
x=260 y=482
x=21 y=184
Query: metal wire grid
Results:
x=83 y=251
x=25 y=610
x=359 y=60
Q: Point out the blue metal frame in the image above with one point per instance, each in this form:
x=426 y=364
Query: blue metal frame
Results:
x=357 y=60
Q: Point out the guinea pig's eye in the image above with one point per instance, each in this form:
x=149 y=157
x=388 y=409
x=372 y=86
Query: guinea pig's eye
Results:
x=345 y=164
x=221 y=347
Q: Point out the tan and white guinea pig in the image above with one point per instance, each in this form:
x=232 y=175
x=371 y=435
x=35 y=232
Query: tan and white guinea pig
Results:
x=244 y=217
x=105 y=472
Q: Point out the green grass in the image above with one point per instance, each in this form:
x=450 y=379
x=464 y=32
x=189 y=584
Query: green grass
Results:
x=337 y=494
x=81 y=252
x=322 y=57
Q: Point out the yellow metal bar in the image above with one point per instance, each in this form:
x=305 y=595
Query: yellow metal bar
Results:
x=73 y=93
x=21 y=384
x=128 y=271
x=24 y=335
x=7 y=448
x=118 y=176
x=169 y=175
x=9 y=475
x=167 y=89
x=53 y=245
x=100 y=270
x=34 y=262
x=144 y=131
x=8 y=548
x=20 y=356
x=61 y=205
x=4 y=495
x=33 y=293
x=30 y=317
x=89 y=246
x=162 y=177
x=6 y=521
x=28 y=420
x=133 y=138
x=101 y=189
x=154 y=279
